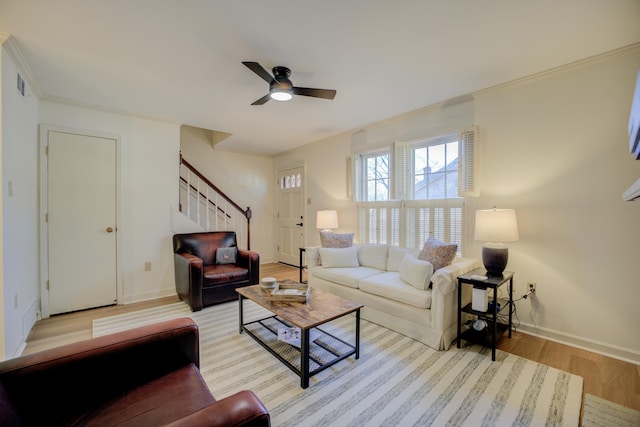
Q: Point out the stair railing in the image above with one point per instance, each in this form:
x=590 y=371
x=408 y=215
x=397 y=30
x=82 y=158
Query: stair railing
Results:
x=209 y=207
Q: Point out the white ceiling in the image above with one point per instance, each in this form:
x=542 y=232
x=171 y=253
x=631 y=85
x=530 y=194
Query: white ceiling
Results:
x=181 y=60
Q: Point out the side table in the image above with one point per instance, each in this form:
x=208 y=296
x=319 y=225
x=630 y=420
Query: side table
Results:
x=302 y=267
x=495 y=330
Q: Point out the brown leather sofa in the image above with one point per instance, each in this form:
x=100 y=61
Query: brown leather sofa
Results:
x=148 y=376
x=201 y=279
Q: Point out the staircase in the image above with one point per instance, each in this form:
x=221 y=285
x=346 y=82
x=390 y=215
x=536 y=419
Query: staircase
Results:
x=212 y=210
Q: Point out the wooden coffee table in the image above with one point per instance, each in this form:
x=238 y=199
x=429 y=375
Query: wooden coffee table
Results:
x=313 y=355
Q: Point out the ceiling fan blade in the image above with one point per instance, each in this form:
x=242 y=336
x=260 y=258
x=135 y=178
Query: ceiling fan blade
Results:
x=316 y=93
x=262 y=100
x=257 y=68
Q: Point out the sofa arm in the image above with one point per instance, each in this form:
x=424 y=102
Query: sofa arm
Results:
x=445 y=280
x=443 y=297
x=240 y=409
x=105 y=366
x=189 y=279
x=251 y=261
x=312 y=254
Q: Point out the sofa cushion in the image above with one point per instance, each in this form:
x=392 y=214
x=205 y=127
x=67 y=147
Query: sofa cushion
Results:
x=373 y=255
x=438 y=253
x=335 y=240
x=416 y=272
x=390 y=285
x=339 y=257
x=159 y=402
x=395 y=255
x=223 y=274
x=344 y=276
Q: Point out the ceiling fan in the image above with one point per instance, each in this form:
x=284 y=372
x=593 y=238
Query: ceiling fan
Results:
x=281 y=88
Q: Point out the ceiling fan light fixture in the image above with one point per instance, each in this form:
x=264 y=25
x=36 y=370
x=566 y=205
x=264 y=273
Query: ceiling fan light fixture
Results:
x=281 y=88
x=281 y=94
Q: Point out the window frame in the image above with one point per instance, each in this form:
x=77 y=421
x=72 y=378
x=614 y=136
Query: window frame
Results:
x=402 y=219
x=361 y=178
x=426 y=143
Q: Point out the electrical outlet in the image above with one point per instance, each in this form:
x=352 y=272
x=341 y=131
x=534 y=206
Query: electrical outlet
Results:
x=531 y=286
x=147 y=266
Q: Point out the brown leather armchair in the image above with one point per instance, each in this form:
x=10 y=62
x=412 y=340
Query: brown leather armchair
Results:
x=148 y=376
x=203 y=276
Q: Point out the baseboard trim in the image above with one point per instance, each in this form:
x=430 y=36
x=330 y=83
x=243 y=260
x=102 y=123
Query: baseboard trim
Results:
x=615 y=352
x=146 y=296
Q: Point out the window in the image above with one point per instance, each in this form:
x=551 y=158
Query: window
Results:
x=375 y=179
x=419 y=192
x=435 y=168
x=290 y=181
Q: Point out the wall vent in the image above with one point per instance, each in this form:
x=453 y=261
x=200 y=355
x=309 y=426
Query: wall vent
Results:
x=21 y=85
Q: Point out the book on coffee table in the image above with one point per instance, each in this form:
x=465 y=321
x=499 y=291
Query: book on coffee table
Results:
x=294 y=335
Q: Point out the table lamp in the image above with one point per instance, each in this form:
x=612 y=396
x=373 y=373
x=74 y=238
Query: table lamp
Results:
x=327 y=220
x=496 y=227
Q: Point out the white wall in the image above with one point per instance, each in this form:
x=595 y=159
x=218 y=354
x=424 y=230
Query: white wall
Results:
x=19 y=210
x=555 y=148
x=149 y=161
x=246 y=178
x=326 y=182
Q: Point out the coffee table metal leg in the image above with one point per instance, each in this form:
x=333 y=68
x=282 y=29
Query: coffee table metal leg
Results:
x=304 y=362
x=357 y=334
x=240 y=313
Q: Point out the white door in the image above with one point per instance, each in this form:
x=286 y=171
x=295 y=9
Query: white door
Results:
x=290 y=215
x=81 y=212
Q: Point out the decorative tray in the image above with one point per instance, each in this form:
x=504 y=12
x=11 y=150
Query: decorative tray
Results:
x=290 y=291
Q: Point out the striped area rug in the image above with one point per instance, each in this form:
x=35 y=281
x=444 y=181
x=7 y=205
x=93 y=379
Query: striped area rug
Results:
x=396 y=382
x=602 y=413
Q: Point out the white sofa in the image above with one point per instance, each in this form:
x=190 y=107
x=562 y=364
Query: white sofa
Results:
x=375 y=280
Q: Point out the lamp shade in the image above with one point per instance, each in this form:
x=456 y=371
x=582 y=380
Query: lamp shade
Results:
x=496 y=225
x=327 y=220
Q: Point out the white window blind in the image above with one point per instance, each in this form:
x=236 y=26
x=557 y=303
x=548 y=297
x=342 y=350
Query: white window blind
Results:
x=469 y=159
x=409 y=223
x=380 y=222
x=401 y=171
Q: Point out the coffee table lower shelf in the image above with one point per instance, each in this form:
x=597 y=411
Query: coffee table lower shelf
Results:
x=325 y=349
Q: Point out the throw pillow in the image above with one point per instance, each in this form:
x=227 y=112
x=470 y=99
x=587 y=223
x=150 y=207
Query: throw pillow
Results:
x=438 y=253
x=226 y=255
x=416 y=272
x=339 y=257
x=373 y=255
x=335 y=240
x=396 y=254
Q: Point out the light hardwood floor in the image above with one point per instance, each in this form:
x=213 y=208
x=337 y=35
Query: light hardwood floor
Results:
x=604 y=377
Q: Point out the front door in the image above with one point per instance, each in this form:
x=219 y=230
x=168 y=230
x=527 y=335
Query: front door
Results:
x=81 y=212
x=290 y=214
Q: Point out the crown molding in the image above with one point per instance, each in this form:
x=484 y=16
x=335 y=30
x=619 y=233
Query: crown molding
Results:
x=9 y=42
x=611 y=55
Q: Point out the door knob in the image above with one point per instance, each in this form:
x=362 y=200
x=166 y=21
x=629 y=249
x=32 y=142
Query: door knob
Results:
x=299 y=224
x=109 y=230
